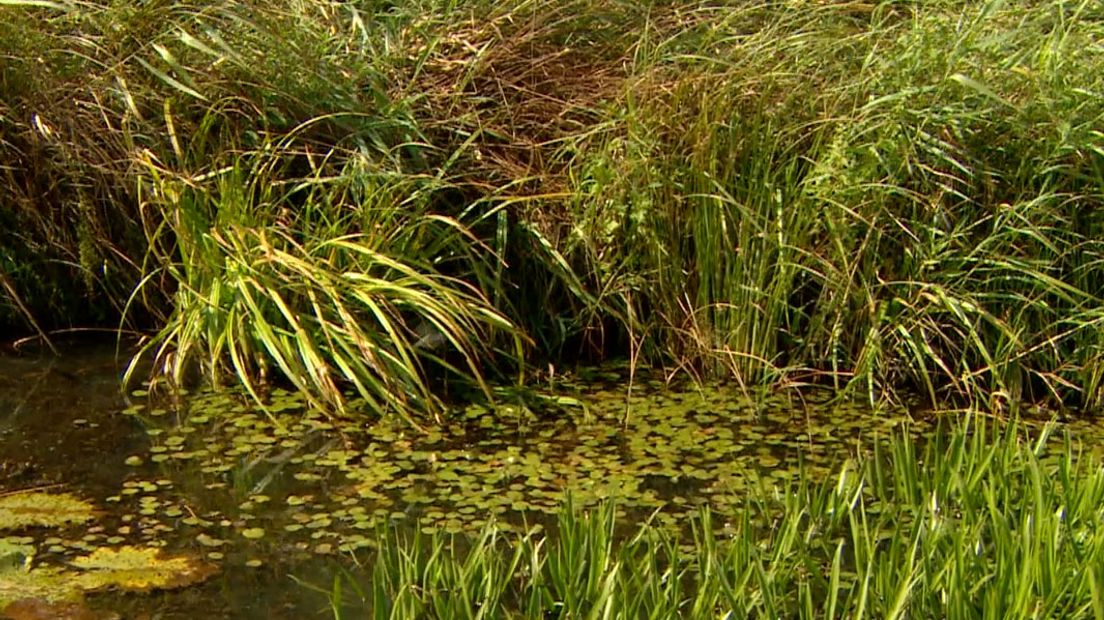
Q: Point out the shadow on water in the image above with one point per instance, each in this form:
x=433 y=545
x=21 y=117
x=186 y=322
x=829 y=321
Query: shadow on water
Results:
x=61 y=429
x=59 y=421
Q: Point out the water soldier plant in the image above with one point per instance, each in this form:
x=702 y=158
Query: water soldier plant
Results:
x=984 y=521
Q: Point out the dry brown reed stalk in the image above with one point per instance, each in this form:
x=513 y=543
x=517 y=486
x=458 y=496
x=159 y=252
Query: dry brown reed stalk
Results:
x=517 y=84
x=13 y=295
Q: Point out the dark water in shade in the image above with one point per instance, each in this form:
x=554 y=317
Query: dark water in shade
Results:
x=61 y=428
x=55 y=414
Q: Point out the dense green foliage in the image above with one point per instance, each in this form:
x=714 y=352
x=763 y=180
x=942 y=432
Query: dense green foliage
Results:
x=880 y=195
x=979 y=523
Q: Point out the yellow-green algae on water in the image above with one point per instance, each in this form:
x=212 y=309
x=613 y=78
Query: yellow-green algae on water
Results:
x=59 y=587
x=41 y=509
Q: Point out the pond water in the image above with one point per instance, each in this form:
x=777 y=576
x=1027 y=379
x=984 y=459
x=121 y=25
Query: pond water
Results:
x=271 y=498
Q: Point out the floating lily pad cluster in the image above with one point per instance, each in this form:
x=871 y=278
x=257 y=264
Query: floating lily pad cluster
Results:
x=291 y=476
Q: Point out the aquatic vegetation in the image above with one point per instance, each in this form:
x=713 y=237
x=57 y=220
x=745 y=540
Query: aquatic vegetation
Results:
x=981 y=522
x=42 y=509
x=27 y=580
x=137 y=569
x=126 y=568
x=572 y=511
x=40 y=584
x=296 y=478
x=15 y=554
x=31 y=580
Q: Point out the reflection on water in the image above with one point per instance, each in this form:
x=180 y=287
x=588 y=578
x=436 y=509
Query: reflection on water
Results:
x=54 y=416
x=61 y=428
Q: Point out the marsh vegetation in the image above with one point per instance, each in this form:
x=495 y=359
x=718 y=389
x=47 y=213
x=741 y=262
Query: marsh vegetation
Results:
x=879 y=196
x=368 y=254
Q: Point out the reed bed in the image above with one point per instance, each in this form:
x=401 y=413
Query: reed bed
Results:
x=889 y=197
x=985 y=521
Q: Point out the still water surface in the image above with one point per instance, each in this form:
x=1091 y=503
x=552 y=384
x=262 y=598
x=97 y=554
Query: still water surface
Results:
x=279 y=497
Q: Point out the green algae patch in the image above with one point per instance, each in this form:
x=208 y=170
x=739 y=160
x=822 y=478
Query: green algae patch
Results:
x=48 y=584
x=130 y=569
x=34 y=584
x=39 y=509
x=136 y=569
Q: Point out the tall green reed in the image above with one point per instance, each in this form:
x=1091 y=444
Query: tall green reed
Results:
x=888 y=197
x=955 y=217
x=986 y=520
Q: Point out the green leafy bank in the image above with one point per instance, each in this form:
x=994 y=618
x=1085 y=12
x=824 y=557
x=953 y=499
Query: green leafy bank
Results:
x=882 y=196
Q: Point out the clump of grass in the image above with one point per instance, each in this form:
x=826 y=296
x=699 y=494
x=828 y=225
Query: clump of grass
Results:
x=267 y=197
x=892 y=196
x=888 y=196
x=348 y=280
x=983 y=521
x=961 y=225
